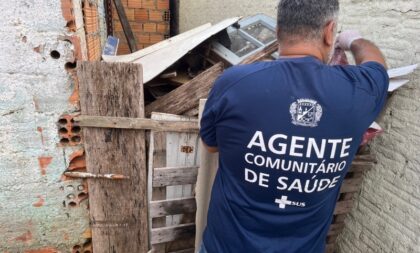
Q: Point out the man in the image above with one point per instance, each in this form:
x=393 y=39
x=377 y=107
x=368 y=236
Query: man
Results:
x=287 y=132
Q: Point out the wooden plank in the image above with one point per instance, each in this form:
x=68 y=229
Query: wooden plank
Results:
x=332 y=238
x=174 y=176
x=339 y=218
x=361 y=166
x=336 y=229
x=206 y=175
x=137 y=123
x=188 y=95
x=168 y=234
x=118 y=208
x=156 y=47
x=367 y=157
x=184 y=251
x=351 y=185
x=343 y=207
x=267 y=51
x=180 y=149
x=157 y=157
x=330 y=248
x=172 y=207
x=126 y=25
x=192 y=113
x=156 y=63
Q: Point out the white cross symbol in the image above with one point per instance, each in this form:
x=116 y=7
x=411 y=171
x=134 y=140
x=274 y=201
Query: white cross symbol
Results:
x=283 y=202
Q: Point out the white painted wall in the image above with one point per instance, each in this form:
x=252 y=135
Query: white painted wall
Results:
x=386 y=216
x=34 y=92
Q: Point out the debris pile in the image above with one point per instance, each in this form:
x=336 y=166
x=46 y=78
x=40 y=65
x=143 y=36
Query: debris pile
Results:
x=180 y=71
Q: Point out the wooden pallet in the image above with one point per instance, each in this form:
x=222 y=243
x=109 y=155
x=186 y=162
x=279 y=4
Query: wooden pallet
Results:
x=173 y=167
x=363 y=162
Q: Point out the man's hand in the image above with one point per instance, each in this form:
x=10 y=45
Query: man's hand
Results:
x=362 y=50
x=346 y=38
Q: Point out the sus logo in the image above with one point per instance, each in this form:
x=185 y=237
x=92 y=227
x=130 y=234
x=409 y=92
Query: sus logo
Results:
x=306 y=112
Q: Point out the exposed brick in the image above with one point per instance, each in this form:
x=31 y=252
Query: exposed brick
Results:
x=147 y=45
x=149 y=27
x=43 y=162
x=162 y=4
x=162 y=28
x=43 y=250
x=118 y=27
x=156 y=15
x=27 y=236
x=77 y=161
x=123 y=49
x=40 y=202
x=148 y=4
x=155 y=38
x=130 y=14
x=136 y=27
x=69 y=131
x=141 y=14
x=143 y=38
x=77 y=51
x=134 y=3
x=66 y=9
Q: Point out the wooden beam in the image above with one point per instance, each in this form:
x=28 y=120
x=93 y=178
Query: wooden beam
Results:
x=351 y=185
x=361 y=166
x=336 y=229
x=126 y=26
x=188 y=95
x=171 y=207
x=118 y=208
x=267 y=51
x=168 y=234
x=205 y=179
x=137 y=124
x=174 y=176
x=343 y=207
x=184 y=251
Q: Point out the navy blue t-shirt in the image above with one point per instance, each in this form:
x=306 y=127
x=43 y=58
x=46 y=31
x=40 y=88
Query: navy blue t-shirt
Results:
x=287 y=132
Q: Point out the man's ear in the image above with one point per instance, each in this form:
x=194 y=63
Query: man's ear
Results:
x=329 y=33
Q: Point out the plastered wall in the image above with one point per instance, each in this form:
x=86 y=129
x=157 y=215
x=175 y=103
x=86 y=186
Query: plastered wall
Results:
x=40 y=212
x=387 y=210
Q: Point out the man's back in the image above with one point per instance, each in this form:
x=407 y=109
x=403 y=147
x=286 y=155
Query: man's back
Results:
x=287 y=132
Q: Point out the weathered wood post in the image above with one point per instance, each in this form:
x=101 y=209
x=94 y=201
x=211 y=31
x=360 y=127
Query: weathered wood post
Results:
x=118 y=208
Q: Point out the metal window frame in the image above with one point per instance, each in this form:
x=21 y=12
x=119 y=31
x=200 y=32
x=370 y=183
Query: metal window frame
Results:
x=230 y=56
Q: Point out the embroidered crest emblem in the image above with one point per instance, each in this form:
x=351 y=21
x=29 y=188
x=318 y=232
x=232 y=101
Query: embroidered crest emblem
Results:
x=306 y=112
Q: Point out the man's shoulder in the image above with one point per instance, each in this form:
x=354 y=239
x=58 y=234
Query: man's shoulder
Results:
x=234 y=75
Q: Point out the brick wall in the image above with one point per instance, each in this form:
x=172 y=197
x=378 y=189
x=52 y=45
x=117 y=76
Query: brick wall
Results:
x=93 y=34
x=149 y=20
x=39 y=210
x=386 y=215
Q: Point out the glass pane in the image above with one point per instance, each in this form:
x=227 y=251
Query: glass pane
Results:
x=260 y=32
x=239 y=45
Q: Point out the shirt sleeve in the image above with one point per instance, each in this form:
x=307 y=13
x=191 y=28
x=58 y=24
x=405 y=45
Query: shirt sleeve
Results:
x=373 y=79
x=208 y=119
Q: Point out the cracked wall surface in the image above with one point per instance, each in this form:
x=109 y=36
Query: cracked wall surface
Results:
x=385 y=218
x=39 y=212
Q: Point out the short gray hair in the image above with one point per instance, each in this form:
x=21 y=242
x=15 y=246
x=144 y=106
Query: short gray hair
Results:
x=305 y=19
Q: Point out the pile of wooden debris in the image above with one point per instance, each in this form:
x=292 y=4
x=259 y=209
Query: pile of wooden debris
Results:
x=180 y=71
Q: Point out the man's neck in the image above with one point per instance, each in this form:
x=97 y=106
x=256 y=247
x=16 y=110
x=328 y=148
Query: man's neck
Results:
x=300 y=50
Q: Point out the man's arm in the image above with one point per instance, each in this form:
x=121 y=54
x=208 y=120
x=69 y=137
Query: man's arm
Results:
x=212 y=150
x=362 y=50
x=365 y=51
